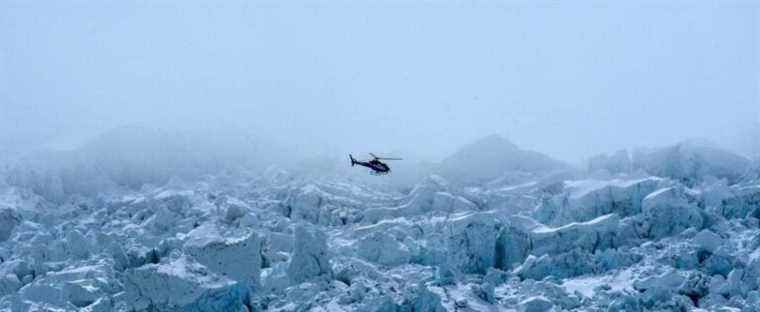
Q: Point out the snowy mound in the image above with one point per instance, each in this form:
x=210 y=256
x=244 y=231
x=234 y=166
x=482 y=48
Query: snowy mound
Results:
x=691 y=162
x=279 y=241
x=491 y=157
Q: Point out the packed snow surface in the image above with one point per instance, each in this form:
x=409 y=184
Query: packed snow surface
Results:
x=679 y=237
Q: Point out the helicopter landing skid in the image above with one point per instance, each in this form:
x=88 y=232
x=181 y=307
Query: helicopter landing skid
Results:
x=376 y=173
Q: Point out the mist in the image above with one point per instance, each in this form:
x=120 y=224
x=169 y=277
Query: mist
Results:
x=412 y=80
x=379 y=155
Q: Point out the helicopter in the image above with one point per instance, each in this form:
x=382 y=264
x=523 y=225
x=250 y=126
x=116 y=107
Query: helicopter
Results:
x=378 y=167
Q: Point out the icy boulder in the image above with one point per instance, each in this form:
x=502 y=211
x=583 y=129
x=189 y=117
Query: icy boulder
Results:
x=714 y=196
x=77 y=245
x=238 y=258
x=175 y=201
x=381 y=248
x=744 y=202
x=310 y=257
x=71 y=288
x=235 y=210
x=709 y=241
x=743 y=280
x=535 y=304
x=8 y=221
x=421 y=299
x=472 y=242
x=660 y=288
x=564 y=265
x=182 y=284
x=668 y=211
x=9 y=284
x=13 y=275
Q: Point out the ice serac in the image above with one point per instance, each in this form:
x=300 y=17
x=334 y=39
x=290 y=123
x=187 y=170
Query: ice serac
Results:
x=8 y=221
x=472 y=242
x=237 y=257
x=669 y=211
x=512 y=248
x=76 y=245
x=744 y=280
x=513 y=244
x=182 y=284
x=743 y=202
x=306 y=204
x=310 y=256
x=433 y=196
x=597 y=234
x=583 y=200
x=382 y=248
x=324 y=204
x=535 y=250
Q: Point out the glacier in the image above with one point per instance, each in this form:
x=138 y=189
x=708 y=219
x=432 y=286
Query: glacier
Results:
x=493 y=228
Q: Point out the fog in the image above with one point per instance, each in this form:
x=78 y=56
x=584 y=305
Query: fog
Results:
x=413 y=80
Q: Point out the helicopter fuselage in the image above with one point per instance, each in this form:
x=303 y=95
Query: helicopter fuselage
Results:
x=376 y=165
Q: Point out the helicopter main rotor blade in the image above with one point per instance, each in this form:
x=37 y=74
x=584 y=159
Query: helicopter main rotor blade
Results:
x=383 y=158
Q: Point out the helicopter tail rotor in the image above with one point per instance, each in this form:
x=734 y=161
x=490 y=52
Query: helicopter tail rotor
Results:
x=353 y=161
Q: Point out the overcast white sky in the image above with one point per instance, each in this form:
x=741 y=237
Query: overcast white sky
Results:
x=420 y=79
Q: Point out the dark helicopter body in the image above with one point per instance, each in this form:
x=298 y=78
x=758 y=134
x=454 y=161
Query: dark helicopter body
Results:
x=377 y=166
